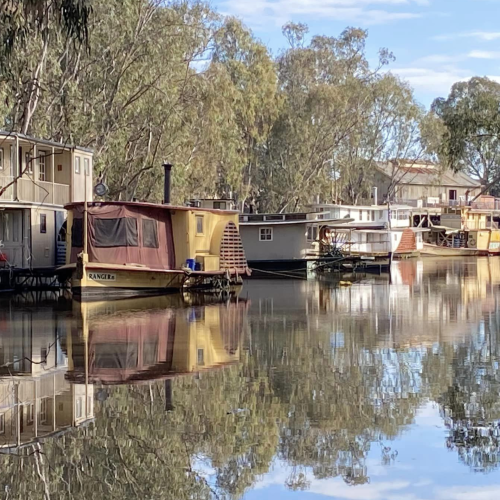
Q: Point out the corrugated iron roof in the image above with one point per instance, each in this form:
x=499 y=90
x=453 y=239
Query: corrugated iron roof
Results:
x=427 y=175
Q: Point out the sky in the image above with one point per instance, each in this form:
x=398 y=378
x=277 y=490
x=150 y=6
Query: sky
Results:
x=436 y=42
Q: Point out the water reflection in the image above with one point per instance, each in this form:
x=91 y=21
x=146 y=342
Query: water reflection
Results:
x=295 y=385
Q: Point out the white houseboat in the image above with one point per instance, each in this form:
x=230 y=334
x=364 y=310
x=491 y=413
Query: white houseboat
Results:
x=373 y=231
x=37 y=178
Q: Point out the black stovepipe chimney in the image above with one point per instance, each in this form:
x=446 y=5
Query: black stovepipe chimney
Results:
x=166 y=183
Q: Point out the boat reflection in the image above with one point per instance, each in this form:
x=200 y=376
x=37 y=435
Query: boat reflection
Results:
x=138 y=340
x=51 y=356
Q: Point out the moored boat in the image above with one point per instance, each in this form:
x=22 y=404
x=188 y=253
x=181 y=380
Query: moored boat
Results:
x=123 y=249
x=444 y=251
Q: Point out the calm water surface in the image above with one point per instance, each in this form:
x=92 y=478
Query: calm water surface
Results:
x=292 y=389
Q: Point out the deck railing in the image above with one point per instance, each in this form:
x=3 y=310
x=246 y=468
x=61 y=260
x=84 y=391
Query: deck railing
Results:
x=42 y=192
x=8 y=195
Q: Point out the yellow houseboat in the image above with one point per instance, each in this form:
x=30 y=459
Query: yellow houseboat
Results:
x=125 y=249
x=120 y=249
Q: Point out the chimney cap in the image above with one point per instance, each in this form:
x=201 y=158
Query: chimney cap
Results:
x=168 y=165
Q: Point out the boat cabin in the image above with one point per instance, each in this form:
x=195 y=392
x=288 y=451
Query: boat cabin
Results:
x=275 y=242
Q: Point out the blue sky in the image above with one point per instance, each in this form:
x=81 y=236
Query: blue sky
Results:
x=436 y=42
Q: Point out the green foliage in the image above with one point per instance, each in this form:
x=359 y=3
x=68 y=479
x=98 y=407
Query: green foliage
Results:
x=178 y=82
x=471 y=140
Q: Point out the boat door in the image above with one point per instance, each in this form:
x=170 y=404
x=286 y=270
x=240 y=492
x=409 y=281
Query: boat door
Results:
x=60 y=239
x=11 y=238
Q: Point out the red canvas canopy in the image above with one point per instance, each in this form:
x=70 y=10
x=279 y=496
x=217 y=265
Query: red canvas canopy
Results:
x=125 y=234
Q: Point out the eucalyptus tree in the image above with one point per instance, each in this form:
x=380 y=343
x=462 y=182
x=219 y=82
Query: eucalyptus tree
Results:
x=471 y=141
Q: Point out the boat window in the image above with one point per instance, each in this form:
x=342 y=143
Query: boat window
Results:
x=220 y=205
x=149 y=233
x=266 y=234
x=77 y=233
x=43 y=223
x=120 y=232
x=312 y=233
x=199 y=224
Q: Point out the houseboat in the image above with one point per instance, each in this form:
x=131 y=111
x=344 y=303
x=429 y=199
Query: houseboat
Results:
x=282 y=242
x=466 y=230
x=375 y=231
x=37 y=179
x=124 y=249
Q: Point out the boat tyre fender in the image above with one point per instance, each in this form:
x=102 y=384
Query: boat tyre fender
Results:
x=472 y=243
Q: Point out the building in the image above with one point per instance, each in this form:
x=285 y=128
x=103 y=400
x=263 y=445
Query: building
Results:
x=278 y=242
x=422 y=184
x=37 y=178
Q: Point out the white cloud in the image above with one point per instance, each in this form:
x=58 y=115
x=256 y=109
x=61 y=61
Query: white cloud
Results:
x=469 y=493
x=436 y=81
x=483 y=54
x=485 y=36
x=361 y=11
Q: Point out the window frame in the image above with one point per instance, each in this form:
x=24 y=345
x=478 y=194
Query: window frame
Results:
x=78 y=408
x=130 y=235
x=199 y=218
x=42 y=156
x=28 y=162
x=30 y=413
x=268 y=231
x=156 y=238
x=77 y=165
x=86 y=166
x=43 y=223
x=312 y=232
x=43 y=411
x=2 y=156
x=222 y=205
x=2 y=423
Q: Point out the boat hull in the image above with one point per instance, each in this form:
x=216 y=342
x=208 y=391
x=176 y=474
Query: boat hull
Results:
x=439 y=251
x=97 y=281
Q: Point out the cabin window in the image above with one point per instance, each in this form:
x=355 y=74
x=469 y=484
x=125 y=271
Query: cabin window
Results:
x=77 y=164
x=86 y=166
x=361 y=215
x=201 y=357
x=312 y=233
x=220 y=205
x=43 y=410
x=199 y=224
x=29 y=163
x=77 y=233
x=149 y=233
x=266 y=234
x=41 y=166
x=43 y=223
x=1 y=158
x=78 y=409
x=2 y=423
x=121 y=232
x=31 y=413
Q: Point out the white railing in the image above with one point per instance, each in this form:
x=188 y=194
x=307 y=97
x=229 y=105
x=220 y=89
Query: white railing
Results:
x=8 y=195
x=42 y=192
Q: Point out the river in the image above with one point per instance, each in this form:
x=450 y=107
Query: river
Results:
x=385 y=389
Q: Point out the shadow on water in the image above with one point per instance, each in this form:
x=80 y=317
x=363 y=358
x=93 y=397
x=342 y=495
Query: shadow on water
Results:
x=292 y=383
